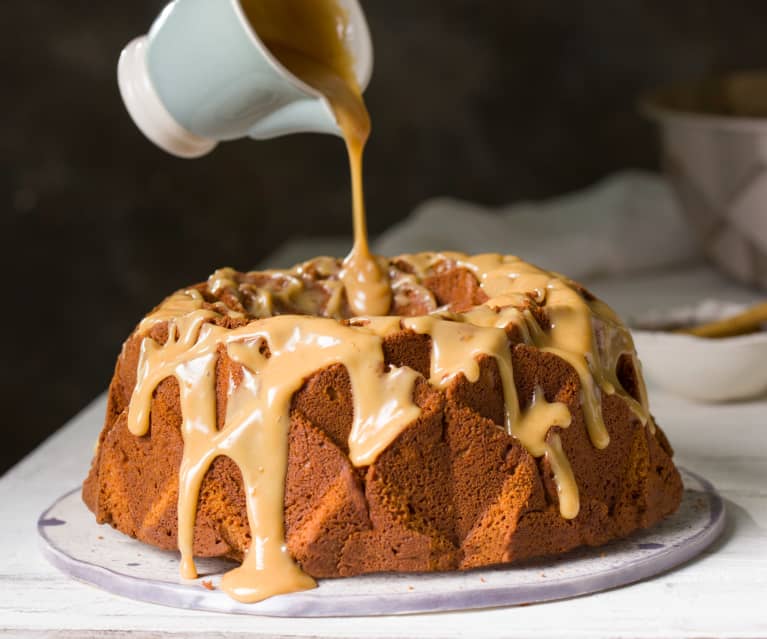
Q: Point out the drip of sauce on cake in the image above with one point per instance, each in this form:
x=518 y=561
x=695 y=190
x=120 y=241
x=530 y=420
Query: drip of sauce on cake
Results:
x=584 y=331
x=276 y=356
x=457 y=343
x=307 y=37
x=533 y=433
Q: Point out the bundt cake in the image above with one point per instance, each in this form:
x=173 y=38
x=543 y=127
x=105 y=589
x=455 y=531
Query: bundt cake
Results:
x=497 y=413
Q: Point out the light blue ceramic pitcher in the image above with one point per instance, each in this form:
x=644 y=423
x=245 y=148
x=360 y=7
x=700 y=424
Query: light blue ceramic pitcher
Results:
x=202 y=75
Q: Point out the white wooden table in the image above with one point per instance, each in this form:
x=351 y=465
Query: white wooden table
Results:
x=721 y=594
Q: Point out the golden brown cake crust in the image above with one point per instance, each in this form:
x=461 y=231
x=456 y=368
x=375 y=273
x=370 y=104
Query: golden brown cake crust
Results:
x=453 y=491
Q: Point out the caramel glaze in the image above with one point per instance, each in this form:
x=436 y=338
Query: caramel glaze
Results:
x=308 y=38
x=301 y=322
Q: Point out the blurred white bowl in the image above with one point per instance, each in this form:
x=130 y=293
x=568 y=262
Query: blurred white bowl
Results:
x=711 y=370
x=714 y=137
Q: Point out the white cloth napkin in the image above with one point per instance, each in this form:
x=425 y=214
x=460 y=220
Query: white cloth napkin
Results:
x=626 y=223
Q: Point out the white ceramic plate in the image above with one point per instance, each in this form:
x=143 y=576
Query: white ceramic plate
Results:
x=73 y=542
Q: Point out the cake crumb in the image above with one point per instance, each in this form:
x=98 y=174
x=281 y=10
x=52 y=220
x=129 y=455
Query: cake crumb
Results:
x=100 y=537
x=482 y=580
x=207 y=584
x=410 y=588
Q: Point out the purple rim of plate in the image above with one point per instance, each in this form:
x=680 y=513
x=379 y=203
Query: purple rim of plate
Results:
x=652 y=558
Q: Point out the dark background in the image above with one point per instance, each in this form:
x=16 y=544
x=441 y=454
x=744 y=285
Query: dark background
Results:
x=490 y=100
